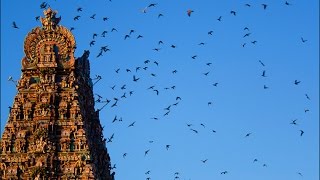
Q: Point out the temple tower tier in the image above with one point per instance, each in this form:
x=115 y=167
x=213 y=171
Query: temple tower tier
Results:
x=53 y=131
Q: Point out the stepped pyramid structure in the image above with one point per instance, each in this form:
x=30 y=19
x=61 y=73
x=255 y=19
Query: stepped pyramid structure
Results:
x=53 y=131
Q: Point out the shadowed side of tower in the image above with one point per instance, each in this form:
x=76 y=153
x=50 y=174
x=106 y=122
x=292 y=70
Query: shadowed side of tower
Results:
x=53 y=131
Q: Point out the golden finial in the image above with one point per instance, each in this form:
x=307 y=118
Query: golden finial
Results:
x=49 y=22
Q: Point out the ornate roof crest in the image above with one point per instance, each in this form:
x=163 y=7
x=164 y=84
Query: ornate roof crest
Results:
x=51 y=45
x=50 y=21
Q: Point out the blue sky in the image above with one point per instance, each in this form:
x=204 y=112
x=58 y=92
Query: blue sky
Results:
x=239 y=103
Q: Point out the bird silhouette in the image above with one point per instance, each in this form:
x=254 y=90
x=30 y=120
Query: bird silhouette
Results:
x=215 y=84
x=105 y=18
x=76 y=18
x=139 y=36
x=43 y=5
x=114 y=29
x=126 y=36
x=220 y=18
x=296 y=82
x=246 y=35
x=135 y=79
x=92 y=43
x=194 y=131
x=146 y=152
x=294 y=122
x=167 y=113
x=233 y=12
x=246 y=28
x=264 y=74
x=160 y=15
x=287 y=3
x=132 y=124
x=224 y=172
x=255 y=160
x=194 y=57
x=204 y=161
x=93 y=16
x=206 y=74
x=152 y=5
x=210 y=32
x=247 y=135
x=14 y=25
x=303 y=40
x=307 y=96
x=189 y=12
x=79 y=9
x=248 y=5
x=94 y=35
x=261 y=63
x=168 y=146
x=301 y=132
x=156 y=91
x=264 y=6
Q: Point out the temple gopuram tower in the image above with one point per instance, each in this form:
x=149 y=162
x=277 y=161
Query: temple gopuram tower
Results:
x=53 y=130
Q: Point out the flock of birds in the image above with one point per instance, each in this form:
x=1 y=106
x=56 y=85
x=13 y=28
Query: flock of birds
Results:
x=145 y=66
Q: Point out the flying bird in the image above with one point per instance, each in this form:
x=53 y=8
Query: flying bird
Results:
x=294 y=122
x=204 y=161
x=132 y=124
x=43 y=5
x=76 y=18
x=264 y=74
x=287 y=3
x=135 y=79
x=14 y=25
x=92 y=43
x=296 y=82
x=93 y=16
x=189 y=12
x=301 y=132
x=126 y=36
x=219 y=19
x=146 y=152
x=307 y=96
x=303 y=40
x=233 y=12
x=261 y=63
x=264 y=6
x=224 y=172
x=194 y=130
x=152 y=5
